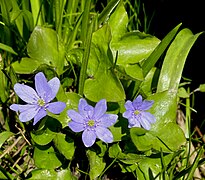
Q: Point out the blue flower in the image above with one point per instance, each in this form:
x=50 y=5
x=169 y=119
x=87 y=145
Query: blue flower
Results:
x=137 y=115
x=93 y=121
x=39 y=101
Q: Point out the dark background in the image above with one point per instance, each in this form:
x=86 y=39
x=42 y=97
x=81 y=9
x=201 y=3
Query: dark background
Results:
x=167 y=15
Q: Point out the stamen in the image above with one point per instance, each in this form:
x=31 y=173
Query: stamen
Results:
x=136 y=112
x=91 y=123
x=41 y=102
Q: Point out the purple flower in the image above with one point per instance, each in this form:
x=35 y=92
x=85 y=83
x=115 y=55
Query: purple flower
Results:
x=92 y=121
x=137 y=115
x=38 y=101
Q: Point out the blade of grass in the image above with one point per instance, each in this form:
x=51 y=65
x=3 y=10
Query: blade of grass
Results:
x=195 y=164
x=104 y=15
x=59 y=8
x=69 y=41
x=5 y=12
x=86 y=54
x=85 y=20
x=36 y=12
x=6 y=173
x=7 y=48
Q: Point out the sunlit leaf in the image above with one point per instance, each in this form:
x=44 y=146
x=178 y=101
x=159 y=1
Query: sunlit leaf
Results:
x=45 y=157
x=4 y=136
x=174 y=61
x=103 y=72
x=42 y=137
x=45 y=46
x=118 y=22
x=65 y=145
x=7 y=48
x=150 y=167
x=50 y=174
x=26 y=66
x=95 y=161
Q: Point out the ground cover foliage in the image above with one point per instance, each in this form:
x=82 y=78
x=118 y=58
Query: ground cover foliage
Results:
x=95 y=58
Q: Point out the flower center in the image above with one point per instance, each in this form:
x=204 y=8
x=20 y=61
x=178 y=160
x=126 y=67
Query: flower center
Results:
x=91 y=123
x=41 y=102
x=136 y=112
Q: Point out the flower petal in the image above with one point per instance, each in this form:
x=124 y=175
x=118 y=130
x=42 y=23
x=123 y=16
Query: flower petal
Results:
x=21 y=108
x=100 y=109
x=28 y=114
x=85 y=109
x=144 y=123
x=137 y=102
x=75 y=116
x=104 y=134
x=129 y=105
x=149 y=117
x=54 y=85
x=88 y=137
x=41 y=113
x=127 y=114
x=42 y=87
x=108 y=120
x=56 y=107
x=133 y=122
x=76 y=127
x=26 y=93
x=146 y=105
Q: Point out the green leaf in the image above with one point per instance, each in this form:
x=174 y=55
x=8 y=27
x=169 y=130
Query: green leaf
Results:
x=4 y=87
x=4 y=136
x=104 y=15
x=202 y=87
x=169 y=138
x=97 y=164
x=116 y=132
x=164 y=108
x=152 y=165
x=174 y=61
x=51 y=174
x=45 y=157
x=149 y=82
x=118 y=22
x=127 y=158
x=135 y=71
x=42 y=137
x=26 y=66
x=2 y=176
x=102 y=72
x=94 y=90
x=65 y=145
x=182 y=93
x=45 y=46
x=7 y=48
x=134 y=47
x=21 y=18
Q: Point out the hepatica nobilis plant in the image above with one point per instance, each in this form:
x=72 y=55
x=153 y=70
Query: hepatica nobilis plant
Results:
x=137 y=115
x=93 y=121
x=39 y=100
